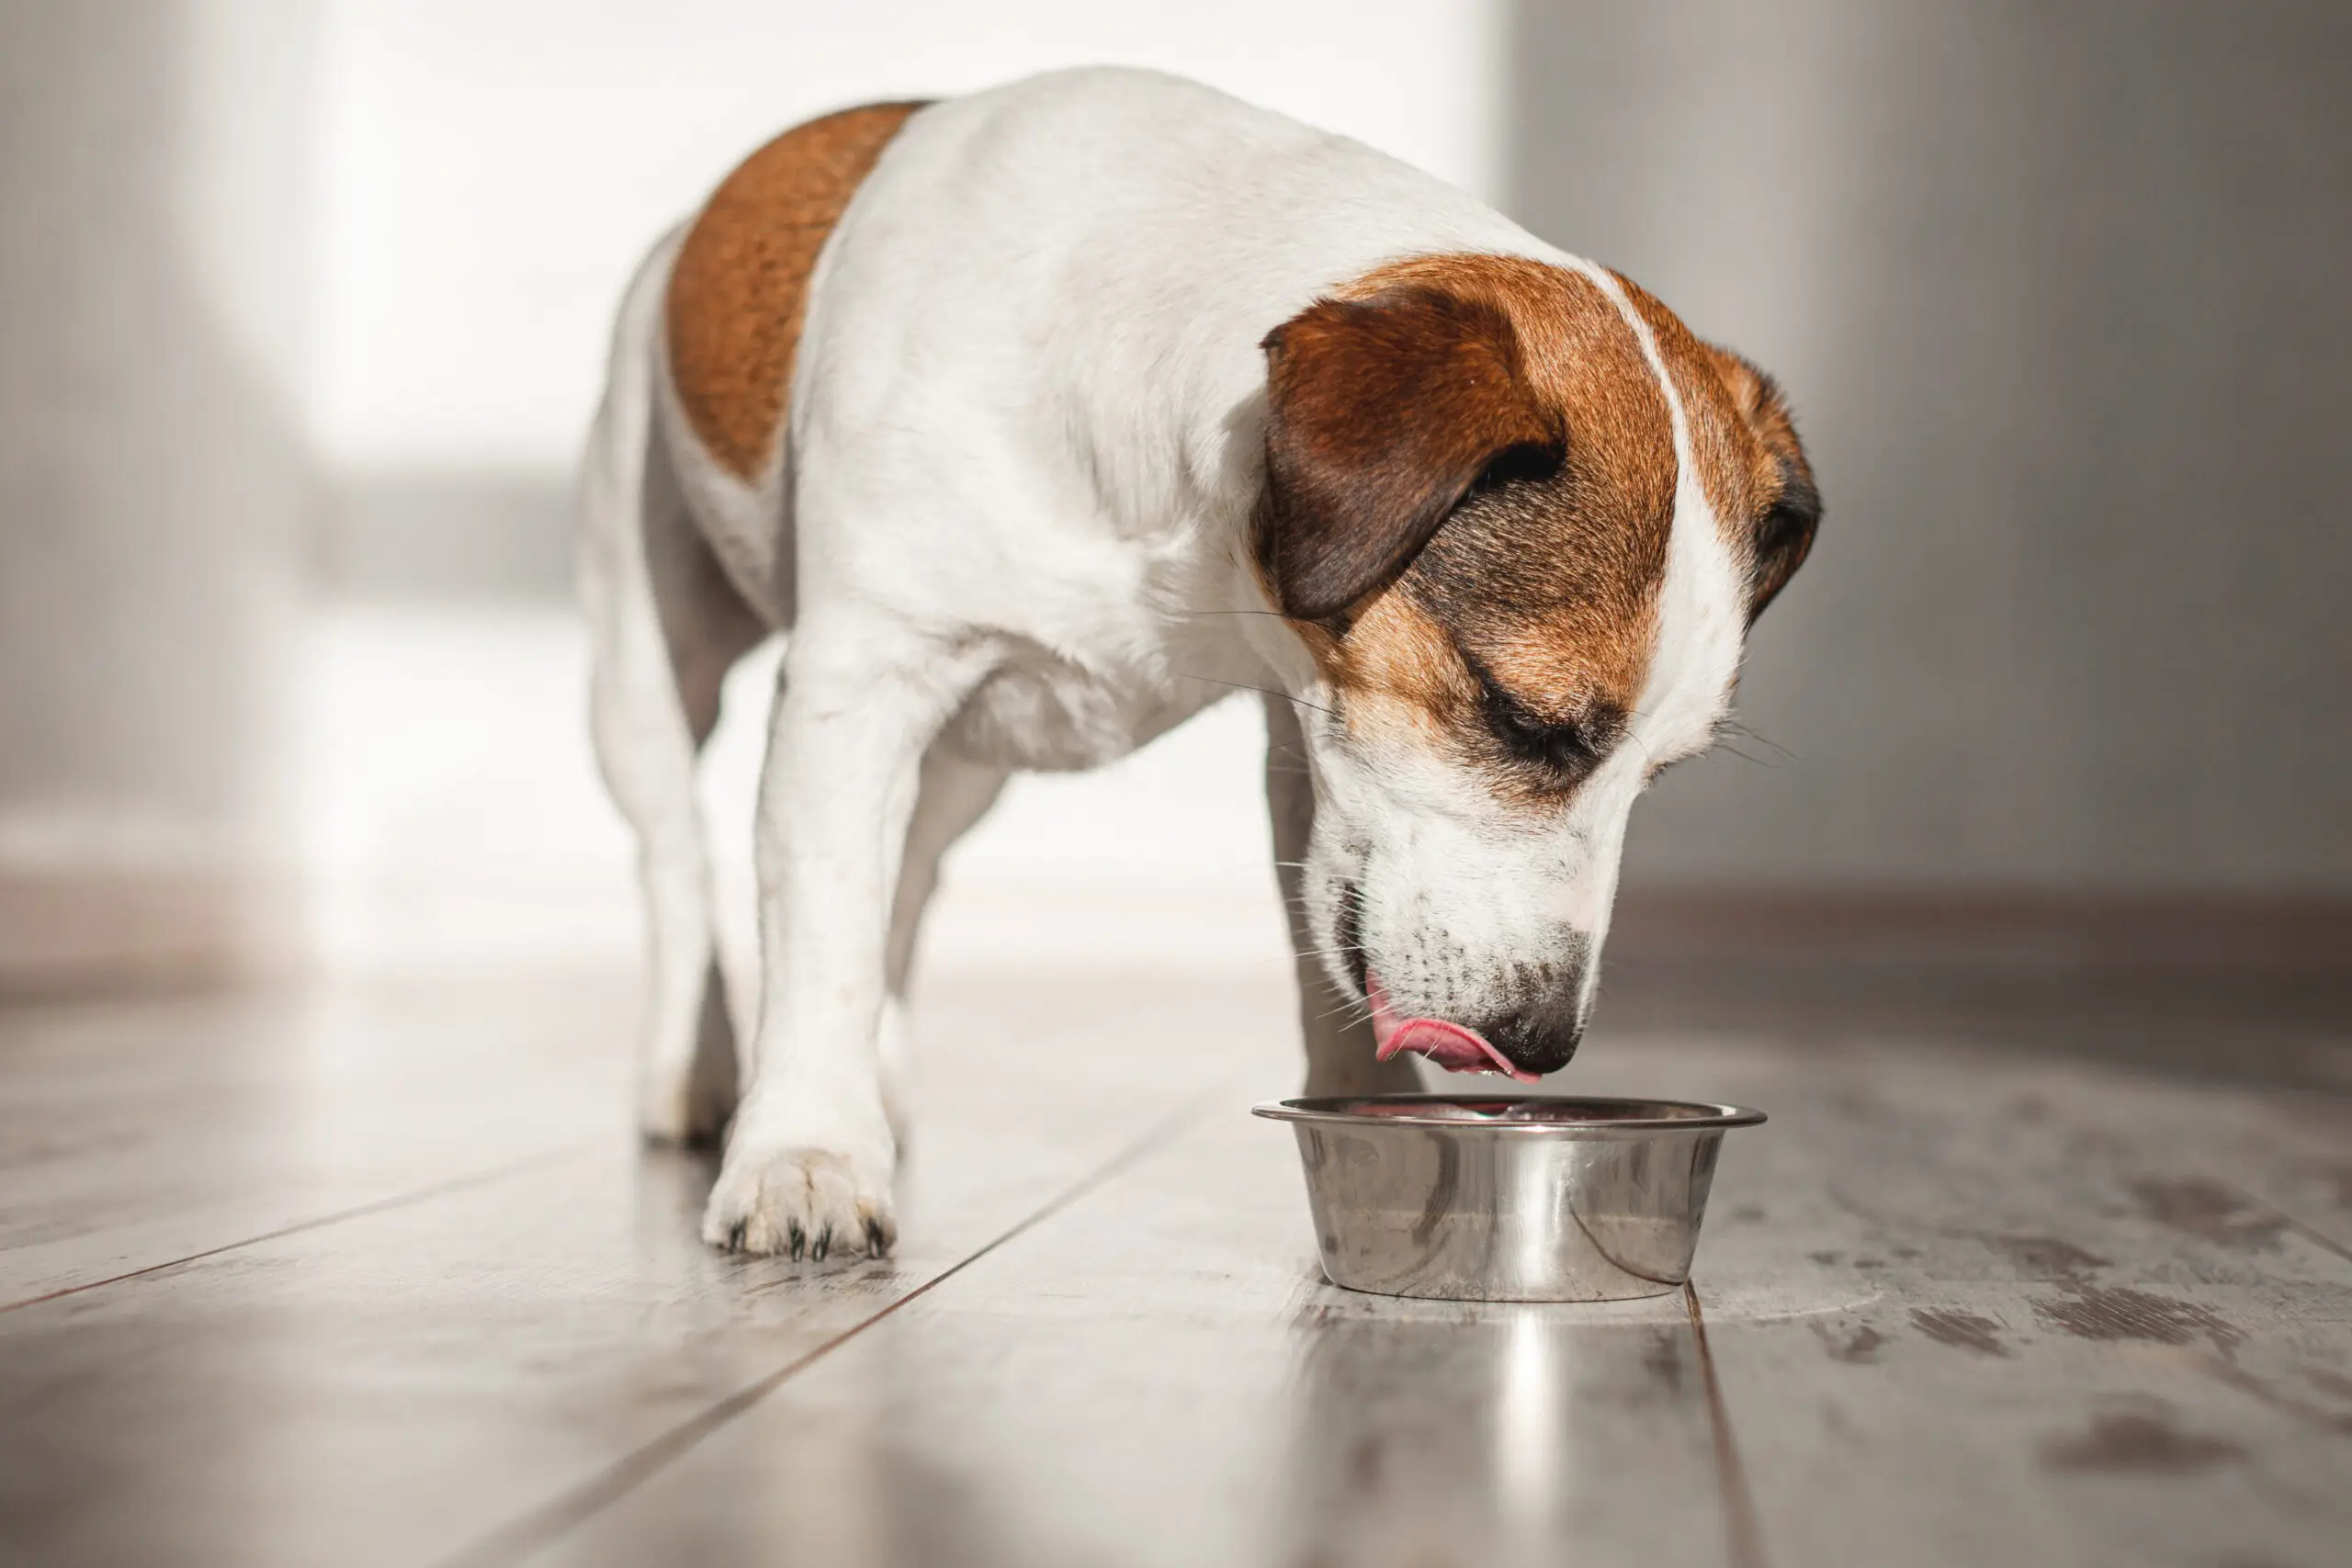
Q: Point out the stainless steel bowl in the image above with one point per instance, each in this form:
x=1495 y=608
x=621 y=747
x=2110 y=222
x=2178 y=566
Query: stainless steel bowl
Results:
x=1489 y=1198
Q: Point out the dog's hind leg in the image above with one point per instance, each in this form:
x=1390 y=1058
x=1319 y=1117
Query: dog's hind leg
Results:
x=955 y=795
x=1340 y=1053
x=664 y=626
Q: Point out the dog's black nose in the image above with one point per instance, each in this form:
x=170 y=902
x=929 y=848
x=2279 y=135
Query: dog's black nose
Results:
x=1540 y=1039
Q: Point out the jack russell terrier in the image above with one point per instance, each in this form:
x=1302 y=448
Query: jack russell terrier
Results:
x=1042 y=418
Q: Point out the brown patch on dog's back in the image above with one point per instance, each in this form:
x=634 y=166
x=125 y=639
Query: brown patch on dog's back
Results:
x=739 y=289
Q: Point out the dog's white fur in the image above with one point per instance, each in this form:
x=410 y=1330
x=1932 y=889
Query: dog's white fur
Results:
x=1009 y=528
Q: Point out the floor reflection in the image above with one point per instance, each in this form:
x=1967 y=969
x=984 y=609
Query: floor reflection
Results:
x=1429 y=1432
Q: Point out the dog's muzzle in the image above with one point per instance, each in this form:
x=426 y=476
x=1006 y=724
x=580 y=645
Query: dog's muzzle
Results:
x=1523 y=1043
x=1540 y=1041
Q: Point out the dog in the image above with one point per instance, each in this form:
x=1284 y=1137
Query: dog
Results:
x=1040 y=419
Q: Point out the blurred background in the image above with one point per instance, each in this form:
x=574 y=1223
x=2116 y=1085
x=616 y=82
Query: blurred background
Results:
x=302 y=312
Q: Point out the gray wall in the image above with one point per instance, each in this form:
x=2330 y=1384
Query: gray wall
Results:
x=2063 y=298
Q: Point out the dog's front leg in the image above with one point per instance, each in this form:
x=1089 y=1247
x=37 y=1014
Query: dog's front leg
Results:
x=809 y=1164
x=1340 y=1055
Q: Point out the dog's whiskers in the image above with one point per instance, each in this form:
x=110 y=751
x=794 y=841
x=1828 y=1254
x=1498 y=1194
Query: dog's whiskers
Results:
x=1361 y=1013
x=1262 y=691
x=1728 y=725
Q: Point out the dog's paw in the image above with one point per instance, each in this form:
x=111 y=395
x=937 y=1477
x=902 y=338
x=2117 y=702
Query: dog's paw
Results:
x=802 y=1200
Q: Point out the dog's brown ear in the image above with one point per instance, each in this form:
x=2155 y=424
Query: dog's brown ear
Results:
x=1381 y=412
x=1783 y=527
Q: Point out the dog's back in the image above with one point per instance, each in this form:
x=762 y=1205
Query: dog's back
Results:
x=1087 y=260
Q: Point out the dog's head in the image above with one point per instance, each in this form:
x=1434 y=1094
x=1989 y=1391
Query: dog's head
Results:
x=1520 y=519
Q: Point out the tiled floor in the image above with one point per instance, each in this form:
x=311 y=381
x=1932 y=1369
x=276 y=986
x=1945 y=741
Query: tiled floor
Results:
x=378 y=1276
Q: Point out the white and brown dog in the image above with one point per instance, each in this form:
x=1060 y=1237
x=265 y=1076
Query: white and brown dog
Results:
x=1042 y=418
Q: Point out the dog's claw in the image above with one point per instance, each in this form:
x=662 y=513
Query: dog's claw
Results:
x=801 y=1203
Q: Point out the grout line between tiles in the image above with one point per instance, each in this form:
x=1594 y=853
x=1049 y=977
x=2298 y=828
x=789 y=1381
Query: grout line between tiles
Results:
x=357 y=1211
x=529 y=1531
x=1745 y=1533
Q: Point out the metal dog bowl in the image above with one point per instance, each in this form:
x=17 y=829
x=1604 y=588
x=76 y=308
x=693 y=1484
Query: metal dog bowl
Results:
x=1484 y=1198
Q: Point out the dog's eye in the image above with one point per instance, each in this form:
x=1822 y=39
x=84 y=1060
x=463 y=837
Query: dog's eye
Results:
x=1515 y=464
x=1568 y=748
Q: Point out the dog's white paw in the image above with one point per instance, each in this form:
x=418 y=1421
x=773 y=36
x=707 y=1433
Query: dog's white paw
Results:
x=802 y=1197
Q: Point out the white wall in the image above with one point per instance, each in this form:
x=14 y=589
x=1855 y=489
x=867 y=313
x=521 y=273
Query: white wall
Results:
x=153 y=477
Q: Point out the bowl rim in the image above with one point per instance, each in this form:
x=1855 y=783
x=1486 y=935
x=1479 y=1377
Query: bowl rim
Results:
x=1698 y=1116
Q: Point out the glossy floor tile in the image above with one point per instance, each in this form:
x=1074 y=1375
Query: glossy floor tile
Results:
x=378 y=1276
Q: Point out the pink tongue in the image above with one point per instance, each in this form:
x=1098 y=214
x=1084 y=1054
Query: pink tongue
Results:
x=1451 y=1046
